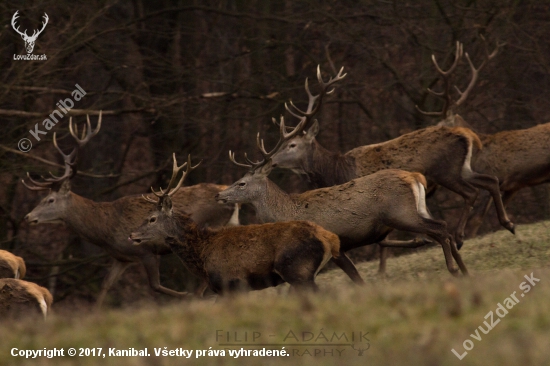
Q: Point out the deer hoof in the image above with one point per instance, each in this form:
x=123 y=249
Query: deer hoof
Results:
x=511 y=227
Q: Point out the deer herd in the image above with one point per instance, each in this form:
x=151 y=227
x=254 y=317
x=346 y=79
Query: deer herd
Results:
x=359 y=197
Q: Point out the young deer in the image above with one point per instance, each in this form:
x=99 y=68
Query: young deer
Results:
x=245 y=257
x=518 y=158
x=20 y=298
x=362 y=211
x=107 y=224
x=442 y=154
x=11 y=266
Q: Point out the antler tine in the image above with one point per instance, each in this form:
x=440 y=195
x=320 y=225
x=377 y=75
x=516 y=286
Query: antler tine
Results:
x=69 y=160
x=149 y=199
x=446 y=93
x=458 y=56
x=86 y=134
x=175 y=171
x=428 y=113
x=232 y=159
x=314 y=101
x=37 y=188
x=475 y=72
x=189 y=169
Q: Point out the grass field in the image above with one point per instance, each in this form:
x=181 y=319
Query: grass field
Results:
x=414 y=317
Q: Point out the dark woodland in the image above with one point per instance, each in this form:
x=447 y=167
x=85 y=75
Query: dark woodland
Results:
x=204 y=77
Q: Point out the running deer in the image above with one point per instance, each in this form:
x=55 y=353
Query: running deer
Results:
x=107 y=224
x=11 y=266
x=23 y=299
x=442 y=154
x=234 y=258
x=518 y=158
x=362 y=211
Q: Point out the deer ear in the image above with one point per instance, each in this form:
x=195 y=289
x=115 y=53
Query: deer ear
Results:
x=65 y=187
x=313 y=131
x=166 y=205
x=264 y=170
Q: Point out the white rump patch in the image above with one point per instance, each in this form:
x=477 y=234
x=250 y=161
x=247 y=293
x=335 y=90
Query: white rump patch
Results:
x=420 y=198
x=326 y=258
x=43 y=306
x=467 y=168
x=17 y=274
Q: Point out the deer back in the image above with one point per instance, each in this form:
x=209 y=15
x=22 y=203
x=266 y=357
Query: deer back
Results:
x=427 y=151
x=518 y=158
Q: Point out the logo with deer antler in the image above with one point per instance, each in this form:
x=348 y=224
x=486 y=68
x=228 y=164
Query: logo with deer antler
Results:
x=360 y=350
x=29 y=40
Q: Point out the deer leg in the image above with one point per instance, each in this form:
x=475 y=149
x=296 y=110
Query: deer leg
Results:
x=151 y=265
x=348 y=267
x=458 y=257
x=383 y=259
x=437 y=230
x=507 y=197
x=414 y=243
x=199 y=291
x=469 y=194
x=476 y=219
x=490 y=184
x=117 y=268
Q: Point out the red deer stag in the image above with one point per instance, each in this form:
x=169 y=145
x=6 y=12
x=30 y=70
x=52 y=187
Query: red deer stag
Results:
x=362 y=211
x=518 y=158
x=11 y=266
x=20 y=298
x=441 y=153
x=107 y=224
x=245 y=257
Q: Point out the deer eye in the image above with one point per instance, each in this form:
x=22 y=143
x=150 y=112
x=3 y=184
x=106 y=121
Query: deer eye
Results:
x=51 y=200
x=292 y=145
x=152 y=220
x=242 y=184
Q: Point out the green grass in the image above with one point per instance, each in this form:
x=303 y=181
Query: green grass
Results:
x=414 y=317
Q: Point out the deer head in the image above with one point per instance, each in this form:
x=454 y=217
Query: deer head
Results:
x=29 y=40
x=53 y=208
x=293 y=152
x=250 y=187
x=160 y=224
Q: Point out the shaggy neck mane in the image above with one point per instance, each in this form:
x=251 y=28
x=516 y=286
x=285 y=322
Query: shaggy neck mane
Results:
x=325 y=168
x=188 y=242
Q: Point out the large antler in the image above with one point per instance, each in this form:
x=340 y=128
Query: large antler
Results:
x=70 y=159
x=86 y=137
x=313 y=106
x=314 y=101
x=450 y=105
x=70 y=170
x=172 y=186
x=283 y=136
